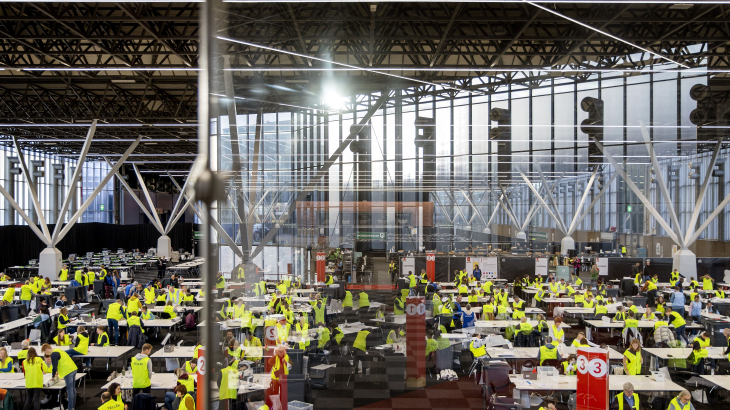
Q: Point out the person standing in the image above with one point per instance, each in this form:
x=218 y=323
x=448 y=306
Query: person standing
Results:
x=142 y=371
x=64 y=368
x=677 y=300
x=33 y=369
x=115 y=313
x=161 y=268
x=477 y=273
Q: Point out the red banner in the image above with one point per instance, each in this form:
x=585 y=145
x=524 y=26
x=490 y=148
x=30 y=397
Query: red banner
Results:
x=592 y=379
x=431 y=266
x=321 y=264
x=201 y=369
x=415 y=342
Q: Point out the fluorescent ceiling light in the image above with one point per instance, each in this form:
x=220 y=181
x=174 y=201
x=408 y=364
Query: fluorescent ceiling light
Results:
x=109 y=69
x=124 y=81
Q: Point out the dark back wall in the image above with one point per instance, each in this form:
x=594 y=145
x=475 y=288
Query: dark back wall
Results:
x=20 y=244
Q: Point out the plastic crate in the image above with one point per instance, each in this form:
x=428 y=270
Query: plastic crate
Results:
x=298 y=405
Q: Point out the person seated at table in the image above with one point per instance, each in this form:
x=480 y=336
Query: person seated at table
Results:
x=62 y=339
x=562 y=285
x=170 y=310
x=695 y=358
x=42 y=317
x=523 y=336
x=6 y=362
x=541 y=290
x=473 y=297
x=548 y=351
x=576 y=279
x=570 y=366
x=631 y=328
x=589 y=302
x=582 y=341
x=648 y=315
x=600 y=310
x=620 y=314
x=397 y=335
x=488 y=309
x=81 y=344
x=710 y=309
x=477 y=352
x=115 y=391
x=549 y=405
x=556 y=332
x=234 y=349
x=627 y=399
x=61 y=302
x=518 y=308
x=632 y=358
x=660 y=304
x=693 y=283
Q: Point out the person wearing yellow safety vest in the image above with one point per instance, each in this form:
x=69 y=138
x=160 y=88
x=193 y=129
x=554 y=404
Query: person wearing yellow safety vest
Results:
x=115 y=312
x=502 y=298
x=576 y=280
x=676 y=320
x=63 y=368
x=399 y=305
x=582 y=341
x=280 y=364
x=347 y=302
x=150 y=295
x=169 y=310
x=302 y=329
x=142 y=370
x=626 y=400
x=220 y=284
x=33 y=368
x=523 y=332
x=648 y=315
x=518 y=308
x=6 y=363
x=424 y=277
x=63 y=274
x=540 y=293
x=487 y=286
x=554 y=287
x=569 y=365
x=283 y=330
x=360 y=347
x=228 y=388
x=488 y=309
x=226 y=311
x=364 y=301
x=588 y=303
x=549 y=351
x=633 y=359
x=183 y=393
x=549 y=405
x=698 y=353
x=682 y=402
x=234 y=349
x=26 y=294
x=556 y=332
x=81 y=346
x=707 y=283
x=601 y=309
x=329 y=280
x=477 y=352
x=396 y=336
x=252 y=347
x=61 y=339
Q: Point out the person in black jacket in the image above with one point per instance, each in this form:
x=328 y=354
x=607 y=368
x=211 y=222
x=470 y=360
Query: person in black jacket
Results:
x=161 y=268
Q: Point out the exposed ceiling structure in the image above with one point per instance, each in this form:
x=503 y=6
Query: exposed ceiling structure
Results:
x=64 y=64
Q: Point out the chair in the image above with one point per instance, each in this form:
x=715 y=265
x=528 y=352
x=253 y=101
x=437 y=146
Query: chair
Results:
x=4 y=314
x=99 y=290
x=497 y=386
x=71 y=293
x=13 y=313
x=165 y=315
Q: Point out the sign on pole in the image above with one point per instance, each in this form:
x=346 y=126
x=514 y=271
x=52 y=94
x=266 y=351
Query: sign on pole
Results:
x=602 y=264
x=415 y=342
x=407 y=265
x=321 y=264
x=592 y=393
x=431 y=266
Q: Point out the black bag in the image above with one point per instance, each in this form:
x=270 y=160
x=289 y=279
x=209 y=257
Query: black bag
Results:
x=144 y=401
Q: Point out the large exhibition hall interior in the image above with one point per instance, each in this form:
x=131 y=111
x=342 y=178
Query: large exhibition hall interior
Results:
x=264 y=205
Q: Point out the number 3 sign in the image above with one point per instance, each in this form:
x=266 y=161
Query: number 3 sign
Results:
x=592 y=392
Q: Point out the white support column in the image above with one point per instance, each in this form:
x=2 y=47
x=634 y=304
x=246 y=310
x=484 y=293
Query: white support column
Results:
x=579 y=208
x=558 y=218
x=662 y=185
x=71 y=195
x=582 y=216
x=98 y=189
x=474 y=207
x=510 y=212
x=134 y=196
x=231 y=244
x=644 y=200
x=180 y=198
x=701 y=198
x=147 y=195
x=547 y=208
x=33 y=192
